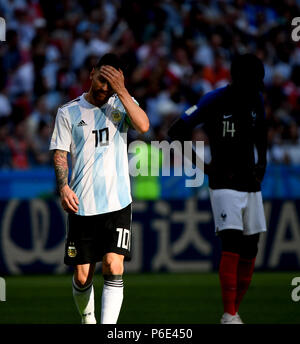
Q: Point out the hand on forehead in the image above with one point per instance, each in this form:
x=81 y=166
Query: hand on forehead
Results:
x=110 y=69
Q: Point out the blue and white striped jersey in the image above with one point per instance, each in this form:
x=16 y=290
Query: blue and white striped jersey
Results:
x=97 y=141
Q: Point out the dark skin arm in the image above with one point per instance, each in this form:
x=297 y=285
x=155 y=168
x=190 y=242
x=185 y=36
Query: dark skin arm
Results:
x=180 y=132
x=261 y=146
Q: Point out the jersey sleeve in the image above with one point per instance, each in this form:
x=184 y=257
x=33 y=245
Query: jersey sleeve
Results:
x=198 y=114
x=192 y=117
x=61 y=137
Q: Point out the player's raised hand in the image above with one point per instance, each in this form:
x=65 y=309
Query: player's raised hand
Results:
x=114 y=77
x=69 y=199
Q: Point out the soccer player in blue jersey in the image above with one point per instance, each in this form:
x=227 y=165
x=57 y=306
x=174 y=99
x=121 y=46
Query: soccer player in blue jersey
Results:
x=93 y=129
x=234 y=120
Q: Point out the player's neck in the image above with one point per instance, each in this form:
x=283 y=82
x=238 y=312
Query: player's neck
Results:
x=244 y=94
x=89 y=98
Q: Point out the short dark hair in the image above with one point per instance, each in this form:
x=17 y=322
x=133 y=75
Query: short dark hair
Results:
x=247 y=69
x=110 y=59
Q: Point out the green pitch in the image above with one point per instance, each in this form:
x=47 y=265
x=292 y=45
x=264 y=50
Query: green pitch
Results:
x=152 y=299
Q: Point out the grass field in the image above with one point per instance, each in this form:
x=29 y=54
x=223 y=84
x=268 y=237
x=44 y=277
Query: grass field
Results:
x=151 y=299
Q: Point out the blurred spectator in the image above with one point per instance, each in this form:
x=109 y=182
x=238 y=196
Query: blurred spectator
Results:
x=21 y=107
x=5 y=105
x=40 y=114
x=181 y=66
x=19 y=146
x=80 y=84
x=41 y=144
x=199 y=84
x=23 y=25
x=5 y=153
x=287 y=151
x=218 y=74
x=11 y=53
x=22 y=80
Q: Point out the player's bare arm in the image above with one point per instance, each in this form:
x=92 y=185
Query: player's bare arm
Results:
x=138 y=117
x=68 y=198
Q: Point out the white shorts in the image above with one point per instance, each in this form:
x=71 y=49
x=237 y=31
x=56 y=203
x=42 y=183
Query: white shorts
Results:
x=238 y=210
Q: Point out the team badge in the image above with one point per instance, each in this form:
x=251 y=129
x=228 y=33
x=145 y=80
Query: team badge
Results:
x=72 y=252
x=116 y=116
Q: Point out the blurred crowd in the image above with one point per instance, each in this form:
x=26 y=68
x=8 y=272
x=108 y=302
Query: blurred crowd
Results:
x=174 y=52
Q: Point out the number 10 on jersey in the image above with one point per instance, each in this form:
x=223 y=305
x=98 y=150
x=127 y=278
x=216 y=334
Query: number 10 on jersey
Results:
x=101 y=137
x=228 y=129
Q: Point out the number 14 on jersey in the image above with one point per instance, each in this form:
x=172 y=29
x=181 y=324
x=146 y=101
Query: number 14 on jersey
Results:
x=228 y=128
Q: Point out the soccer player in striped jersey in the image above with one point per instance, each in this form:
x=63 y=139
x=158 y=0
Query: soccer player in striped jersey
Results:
x=93 y=129
x=234 y=119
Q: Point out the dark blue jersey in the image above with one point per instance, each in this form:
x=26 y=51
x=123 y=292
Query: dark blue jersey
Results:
x=234 y=126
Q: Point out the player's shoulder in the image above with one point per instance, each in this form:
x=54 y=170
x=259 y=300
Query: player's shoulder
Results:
x=114 y=99
x=209 y=102
x=116 y=103
x=69 y=103
x=216 y=94
x=213 y=97
x=62 y=111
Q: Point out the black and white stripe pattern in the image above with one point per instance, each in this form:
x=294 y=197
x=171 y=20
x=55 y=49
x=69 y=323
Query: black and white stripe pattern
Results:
x=113 y=281
x=117 y=284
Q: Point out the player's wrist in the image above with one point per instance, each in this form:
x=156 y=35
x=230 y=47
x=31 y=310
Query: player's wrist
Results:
x=64 y=189
x=123 y=93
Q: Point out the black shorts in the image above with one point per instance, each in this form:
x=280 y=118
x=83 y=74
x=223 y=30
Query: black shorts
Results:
x=89 y=238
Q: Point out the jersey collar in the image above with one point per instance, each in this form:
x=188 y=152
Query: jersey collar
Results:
x=87 y=104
